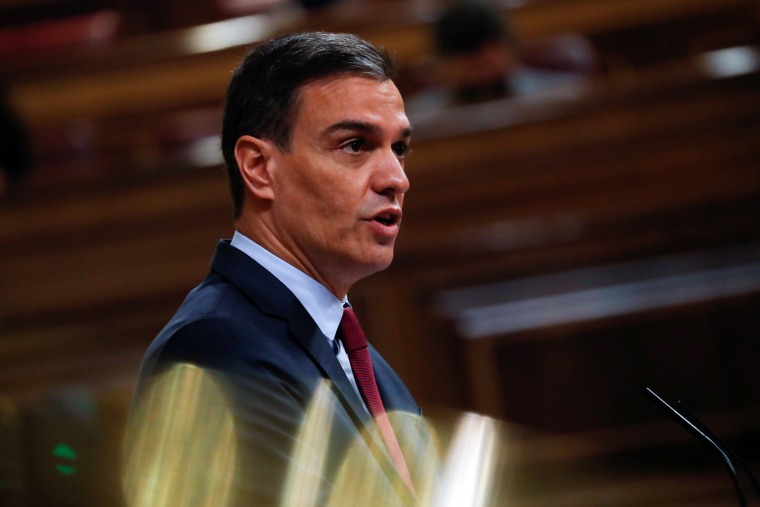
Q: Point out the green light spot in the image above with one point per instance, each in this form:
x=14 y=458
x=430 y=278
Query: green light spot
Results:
x=64 y=451
x=66 y=470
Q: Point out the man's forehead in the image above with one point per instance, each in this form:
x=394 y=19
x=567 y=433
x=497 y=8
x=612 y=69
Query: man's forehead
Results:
x=346 y=88
x=342 y=79
x=352 y=102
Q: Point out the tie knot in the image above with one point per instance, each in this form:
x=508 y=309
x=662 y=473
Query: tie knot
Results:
x=352 y=335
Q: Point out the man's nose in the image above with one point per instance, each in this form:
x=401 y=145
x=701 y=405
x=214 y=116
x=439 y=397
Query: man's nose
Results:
x=390 y=177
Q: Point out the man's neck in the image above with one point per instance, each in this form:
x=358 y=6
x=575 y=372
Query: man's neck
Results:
x=264 y=237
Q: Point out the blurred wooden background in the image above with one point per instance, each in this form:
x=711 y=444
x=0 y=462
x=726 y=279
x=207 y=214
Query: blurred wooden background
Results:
x=559 y=253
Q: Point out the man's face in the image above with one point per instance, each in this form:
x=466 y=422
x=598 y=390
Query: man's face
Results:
x=338 y=191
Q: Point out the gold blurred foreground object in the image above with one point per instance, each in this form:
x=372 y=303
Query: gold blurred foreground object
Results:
x=182 y=451
x=302 y=484
x=180 y=444
x=471 y=464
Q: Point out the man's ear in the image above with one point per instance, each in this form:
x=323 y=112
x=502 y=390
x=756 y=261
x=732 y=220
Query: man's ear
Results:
x=254 y=161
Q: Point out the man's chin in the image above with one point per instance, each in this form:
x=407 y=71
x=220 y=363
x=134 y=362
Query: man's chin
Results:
x=380 y=260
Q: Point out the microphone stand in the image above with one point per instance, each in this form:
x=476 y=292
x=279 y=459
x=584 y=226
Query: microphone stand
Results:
x=700 y=431
x=736 y=459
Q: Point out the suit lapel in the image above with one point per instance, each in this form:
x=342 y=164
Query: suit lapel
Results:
x=273 y=298
x=311 y=338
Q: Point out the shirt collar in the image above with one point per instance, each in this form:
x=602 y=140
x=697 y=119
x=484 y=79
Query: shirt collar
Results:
x=320 y=303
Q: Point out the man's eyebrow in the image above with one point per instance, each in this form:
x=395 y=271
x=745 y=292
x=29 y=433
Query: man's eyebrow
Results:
x=361 y=126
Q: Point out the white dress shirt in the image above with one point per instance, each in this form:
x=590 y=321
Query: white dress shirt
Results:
x=322 y=305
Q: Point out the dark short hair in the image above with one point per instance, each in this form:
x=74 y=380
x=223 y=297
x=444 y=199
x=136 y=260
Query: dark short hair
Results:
x=465 y=27
x=262 y=96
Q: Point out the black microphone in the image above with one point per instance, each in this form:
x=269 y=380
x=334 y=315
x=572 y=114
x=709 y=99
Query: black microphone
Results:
x=700 y=431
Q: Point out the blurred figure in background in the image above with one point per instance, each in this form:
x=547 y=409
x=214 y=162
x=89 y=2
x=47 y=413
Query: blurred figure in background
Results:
x=15 y=154
x=479 y=58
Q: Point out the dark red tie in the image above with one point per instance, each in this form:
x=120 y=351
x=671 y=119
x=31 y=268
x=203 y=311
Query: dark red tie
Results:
x=352 y=336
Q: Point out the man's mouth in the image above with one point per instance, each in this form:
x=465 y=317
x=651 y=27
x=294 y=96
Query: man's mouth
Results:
x=388 y=218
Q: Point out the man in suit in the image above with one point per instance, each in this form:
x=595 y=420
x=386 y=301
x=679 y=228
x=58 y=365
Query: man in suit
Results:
x=248 y=396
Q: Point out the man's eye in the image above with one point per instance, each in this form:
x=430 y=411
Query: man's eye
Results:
x=353 y=146
x=401 y=149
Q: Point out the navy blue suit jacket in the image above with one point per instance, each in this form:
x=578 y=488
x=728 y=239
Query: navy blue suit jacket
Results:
x=267 y=356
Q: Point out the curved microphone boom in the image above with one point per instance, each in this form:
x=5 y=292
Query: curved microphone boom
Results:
x=735 y=458
x=699 y=430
